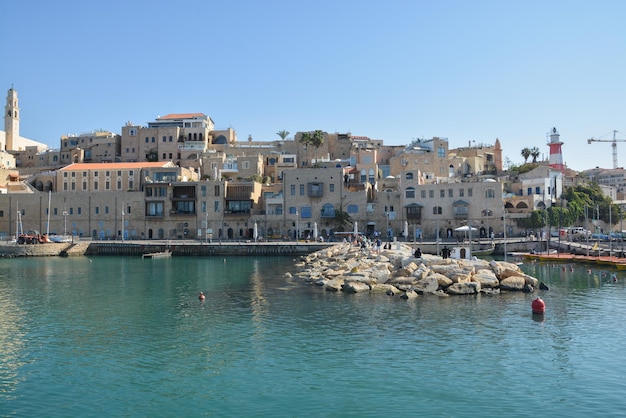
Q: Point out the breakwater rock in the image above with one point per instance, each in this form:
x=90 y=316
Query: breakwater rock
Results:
x=351 y=269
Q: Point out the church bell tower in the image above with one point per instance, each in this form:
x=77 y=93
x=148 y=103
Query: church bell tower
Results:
x=11 y=120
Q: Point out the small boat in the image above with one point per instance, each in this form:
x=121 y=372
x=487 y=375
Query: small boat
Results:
x=463 y=252
x=159 y=254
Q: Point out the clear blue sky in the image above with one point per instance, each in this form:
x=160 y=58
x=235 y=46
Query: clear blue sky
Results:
x=394 y=70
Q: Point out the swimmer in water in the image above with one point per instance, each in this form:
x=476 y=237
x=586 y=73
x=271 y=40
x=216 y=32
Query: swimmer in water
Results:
x=201 y=296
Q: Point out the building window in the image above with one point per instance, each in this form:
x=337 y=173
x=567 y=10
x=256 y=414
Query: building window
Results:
x=409 y=193
x=423 y=194
x=490 y=193
x=328 y=211
x=331 y=187
x=97 y=210
x=154 y=209
x=409 y=176
x=442 y=193
x=353 y=208
x=461 y=192
x=302 y=190
x=441 y=152
x=216 y=206
x=431 y=194
x=293 y=189
x=293 y=210
x=95 y=185
x=450 y=193
x=437 y=210
x=470 y=192
x=537 y=190
x=84 y=185
x=216 y=191
x=119 y=185
x=106 y=210
x=316 y=189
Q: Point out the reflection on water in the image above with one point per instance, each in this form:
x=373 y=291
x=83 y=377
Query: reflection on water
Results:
x=125 y=336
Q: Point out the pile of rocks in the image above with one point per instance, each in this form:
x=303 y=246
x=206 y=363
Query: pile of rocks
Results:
x=351 y=269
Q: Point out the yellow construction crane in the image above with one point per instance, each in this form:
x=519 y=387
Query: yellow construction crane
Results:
x=613 y=141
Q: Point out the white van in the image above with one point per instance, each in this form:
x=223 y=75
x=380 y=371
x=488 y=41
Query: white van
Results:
x=579 y=233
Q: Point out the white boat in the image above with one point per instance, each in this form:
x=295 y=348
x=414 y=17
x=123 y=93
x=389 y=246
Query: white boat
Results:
x=462 y=252
x=160 y=254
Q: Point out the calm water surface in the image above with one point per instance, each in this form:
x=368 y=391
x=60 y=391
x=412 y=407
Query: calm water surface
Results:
x=117 y=336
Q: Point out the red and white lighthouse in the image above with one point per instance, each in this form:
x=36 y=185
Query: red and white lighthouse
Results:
x=556 y=154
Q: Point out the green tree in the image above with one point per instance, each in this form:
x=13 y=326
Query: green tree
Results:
x=282 y=134
x=535 y=153
x=526 y=153
x=342 y=218
x=314 y=139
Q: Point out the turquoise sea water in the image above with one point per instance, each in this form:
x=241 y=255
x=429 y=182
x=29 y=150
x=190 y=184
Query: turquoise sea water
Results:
x=119 y=336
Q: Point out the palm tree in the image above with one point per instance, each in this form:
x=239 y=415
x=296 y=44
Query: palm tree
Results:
x=534 y=152
x=526 y=153
x=282 y=134
x=317 y=141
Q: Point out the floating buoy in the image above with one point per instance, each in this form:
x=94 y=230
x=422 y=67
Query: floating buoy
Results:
x=201 y=296
x=538 y=306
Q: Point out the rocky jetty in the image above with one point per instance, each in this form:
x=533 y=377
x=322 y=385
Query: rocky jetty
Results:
x=396 y=271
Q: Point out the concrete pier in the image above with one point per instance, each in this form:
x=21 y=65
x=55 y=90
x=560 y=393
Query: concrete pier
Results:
x=177 y=248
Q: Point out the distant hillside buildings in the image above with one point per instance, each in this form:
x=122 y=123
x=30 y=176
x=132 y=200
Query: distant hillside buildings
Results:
x=180 y=178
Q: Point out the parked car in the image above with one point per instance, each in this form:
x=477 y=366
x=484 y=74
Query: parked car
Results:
x=599 y=237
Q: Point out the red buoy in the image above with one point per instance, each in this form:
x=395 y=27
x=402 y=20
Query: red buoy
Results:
x=539 y=306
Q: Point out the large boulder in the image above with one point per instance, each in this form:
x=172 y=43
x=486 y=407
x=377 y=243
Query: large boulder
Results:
x=407 y=270
x=486 y=278
x=426 y=285
x=467 y=288
x=355 y=287
x=442 y=280
x=408 y=295
x=401 y=280
x=385 y=288
x=513 y=283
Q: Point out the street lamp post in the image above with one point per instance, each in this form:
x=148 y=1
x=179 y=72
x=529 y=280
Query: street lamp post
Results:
x=297 y=226
x=64 y=224
x=123 y=213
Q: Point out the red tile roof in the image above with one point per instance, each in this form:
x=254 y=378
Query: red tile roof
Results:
x=182 y=116
x=117 y=166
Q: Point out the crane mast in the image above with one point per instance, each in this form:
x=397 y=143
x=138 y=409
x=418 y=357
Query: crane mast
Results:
x=613 y=145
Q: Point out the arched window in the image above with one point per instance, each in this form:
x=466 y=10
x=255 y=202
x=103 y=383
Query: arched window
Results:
x=409 y=176
x=410 y=192
x=328 y=211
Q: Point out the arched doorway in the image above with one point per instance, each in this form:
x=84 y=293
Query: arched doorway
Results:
x=230 y=233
